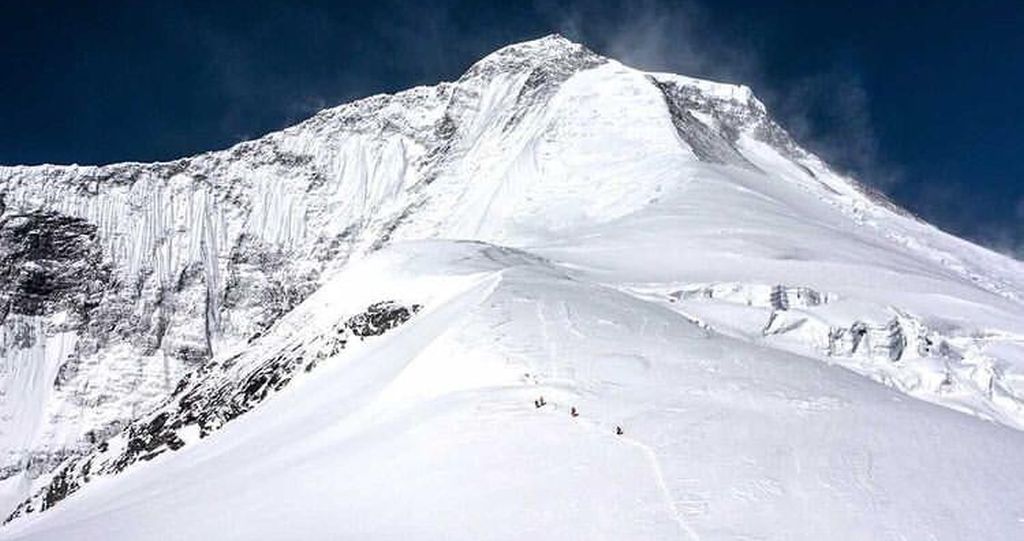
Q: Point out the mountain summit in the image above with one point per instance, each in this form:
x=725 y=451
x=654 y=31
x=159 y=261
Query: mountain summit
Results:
x=557 y=298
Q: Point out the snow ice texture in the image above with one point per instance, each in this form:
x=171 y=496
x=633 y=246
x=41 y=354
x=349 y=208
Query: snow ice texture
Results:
x=378 y=323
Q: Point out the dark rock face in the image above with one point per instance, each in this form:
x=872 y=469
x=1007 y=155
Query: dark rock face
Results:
x=715 y=144
x=263 y=280
x=545 y=79
x=212 y=396
x=48 y=262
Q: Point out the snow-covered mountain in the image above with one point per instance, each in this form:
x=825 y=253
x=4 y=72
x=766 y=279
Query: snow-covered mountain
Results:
x=431 y=314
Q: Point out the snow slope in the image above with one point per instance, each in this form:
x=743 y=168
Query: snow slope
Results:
x=650 y=248
x=431 y=432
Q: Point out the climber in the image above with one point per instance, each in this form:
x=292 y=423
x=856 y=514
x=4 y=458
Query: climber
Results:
x=618 y=430
x=539 y=402
x=573 y=412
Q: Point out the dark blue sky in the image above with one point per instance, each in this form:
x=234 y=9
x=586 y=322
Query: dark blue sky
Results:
x=922 y=99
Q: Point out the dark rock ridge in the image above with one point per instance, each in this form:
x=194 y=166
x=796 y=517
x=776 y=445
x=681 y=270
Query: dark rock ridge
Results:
x=212 y=396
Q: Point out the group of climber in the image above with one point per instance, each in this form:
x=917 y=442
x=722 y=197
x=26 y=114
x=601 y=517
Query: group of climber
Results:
x=540 y=402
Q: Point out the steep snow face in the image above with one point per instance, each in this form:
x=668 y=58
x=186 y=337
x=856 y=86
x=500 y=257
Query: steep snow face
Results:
x=200 y=254
x=678 y=195
x=206 y=252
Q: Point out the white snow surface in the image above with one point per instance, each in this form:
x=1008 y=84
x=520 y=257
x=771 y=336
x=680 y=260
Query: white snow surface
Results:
x=789 y=356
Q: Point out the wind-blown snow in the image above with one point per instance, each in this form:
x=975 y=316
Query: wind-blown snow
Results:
x=649 y=248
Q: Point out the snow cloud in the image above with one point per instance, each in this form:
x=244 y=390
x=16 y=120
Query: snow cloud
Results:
x=1010 y=240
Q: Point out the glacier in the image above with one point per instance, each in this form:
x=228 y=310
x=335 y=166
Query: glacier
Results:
x=342 y=329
